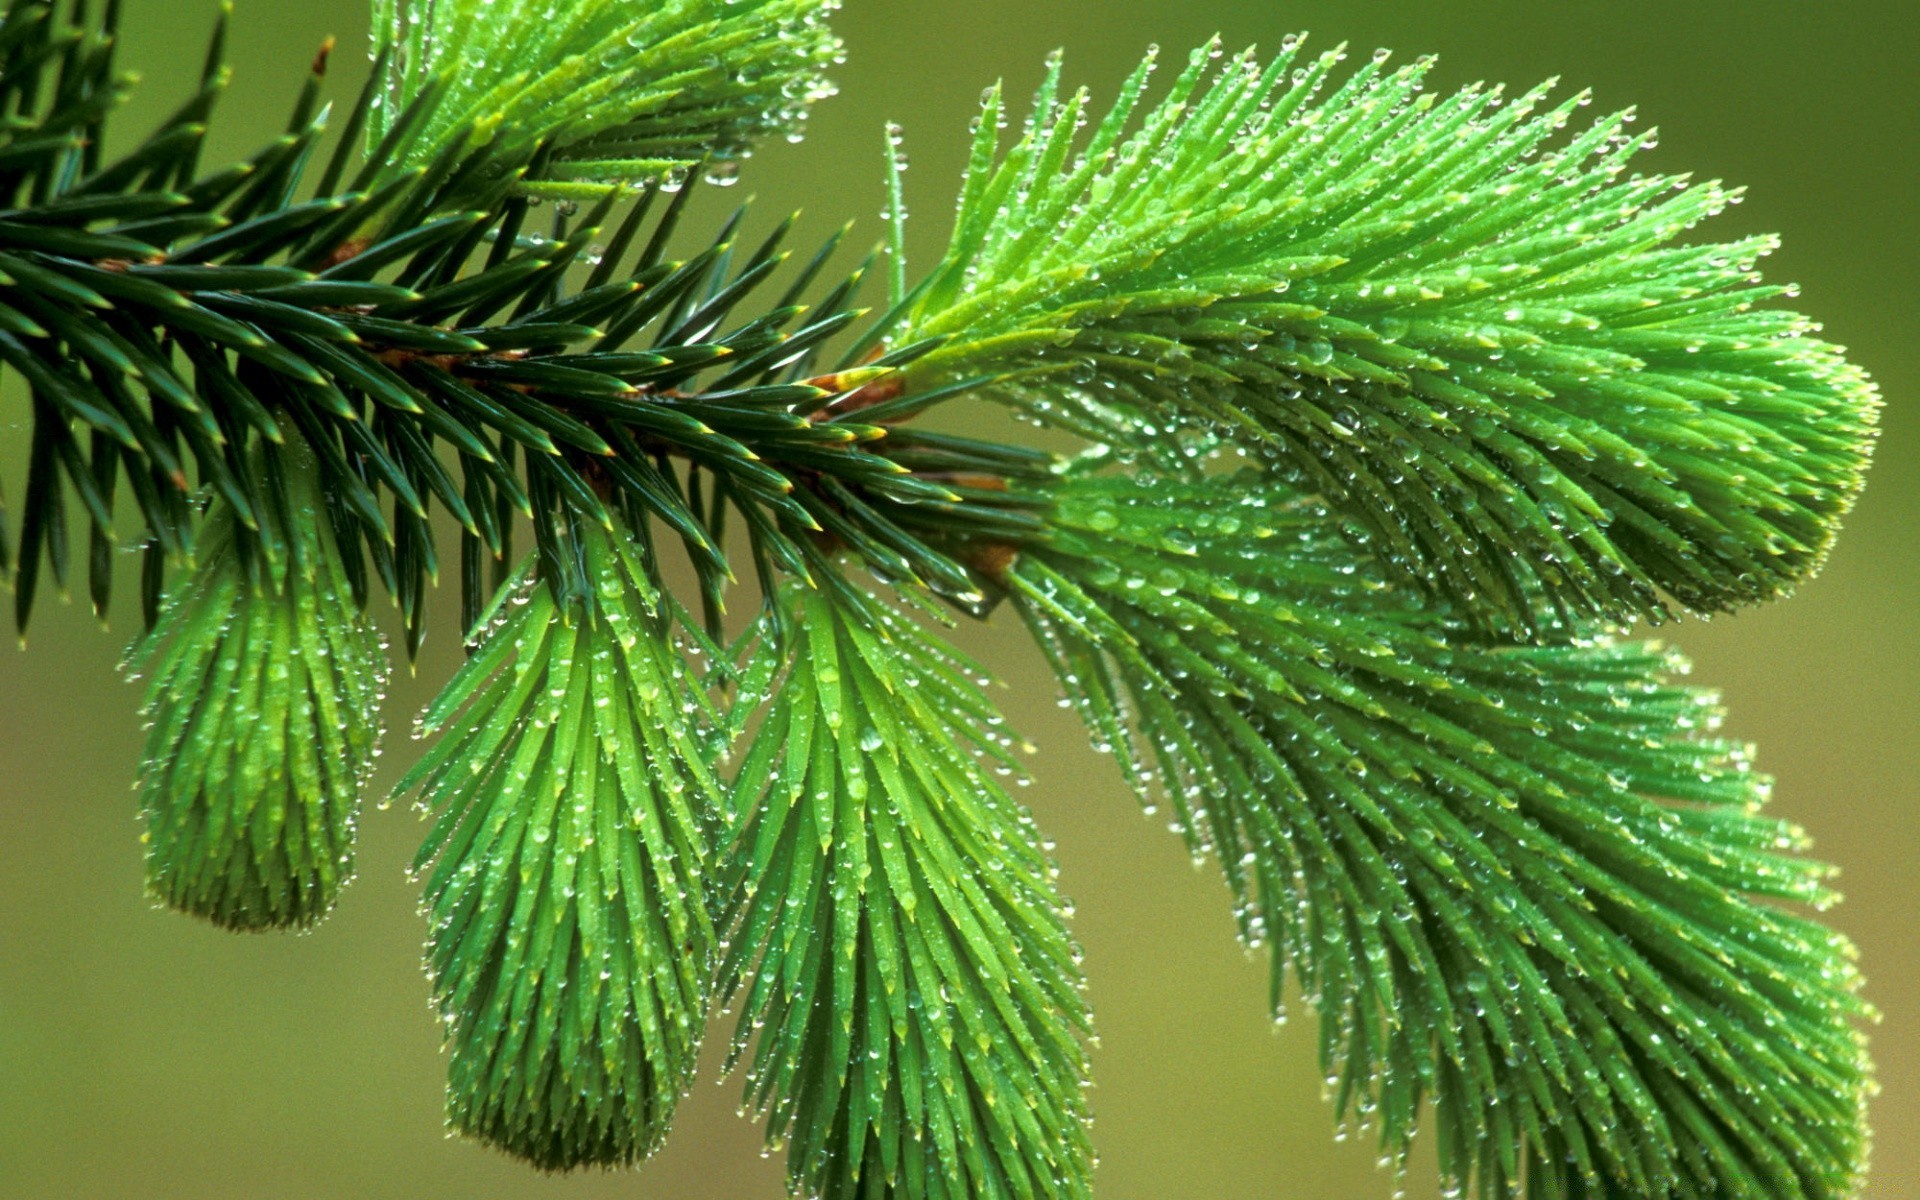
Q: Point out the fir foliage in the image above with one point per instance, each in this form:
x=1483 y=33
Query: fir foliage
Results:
x=1480 y=340
x=1520 y=881
x=1487 y=402
x=573 y=803
x=910 y=998
x=263 y=697
x=431 y=351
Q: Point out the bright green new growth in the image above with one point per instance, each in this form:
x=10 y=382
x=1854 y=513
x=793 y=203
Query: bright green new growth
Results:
x=615 y=91
x=1484 y=407
x=897 y=941
x=1515 y=880
x=1481 y=343
x=569 y=942
x=263 y=697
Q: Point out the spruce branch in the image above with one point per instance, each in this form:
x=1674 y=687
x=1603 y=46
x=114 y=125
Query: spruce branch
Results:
x=910 y=998
x=430 y=349
x=1518 y=881
x=1482 y=341
x=574 y=802
x=1488 y=404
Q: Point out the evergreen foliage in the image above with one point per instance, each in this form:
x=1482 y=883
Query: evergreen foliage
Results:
x=574 y=803
x=1397 y=406
x=1517 y=879
x=264 y=699
x=1484 y=345
x=619 y=92
x=911 y=996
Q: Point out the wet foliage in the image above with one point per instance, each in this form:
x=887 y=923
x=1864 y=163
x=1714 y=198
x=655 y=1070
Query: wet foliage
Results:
x=1397 y=407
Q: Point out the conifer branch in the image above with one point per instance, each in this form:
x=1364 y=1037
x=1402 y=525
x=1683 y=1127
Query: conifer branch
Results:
x=1478 y=340
x=1489 y=406
x=1518 y=881
x=180 y=319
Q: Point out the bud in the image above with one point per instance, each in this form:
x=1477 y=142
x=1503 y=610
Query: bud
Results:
x=265 y=682
x=569 y=942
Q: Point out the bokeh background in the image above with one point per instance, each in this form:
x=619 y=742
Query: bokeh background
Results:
x=144 y=1055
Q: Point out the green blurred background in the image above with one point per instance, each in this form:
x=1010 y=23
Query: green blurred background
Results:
x=145 y=1055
